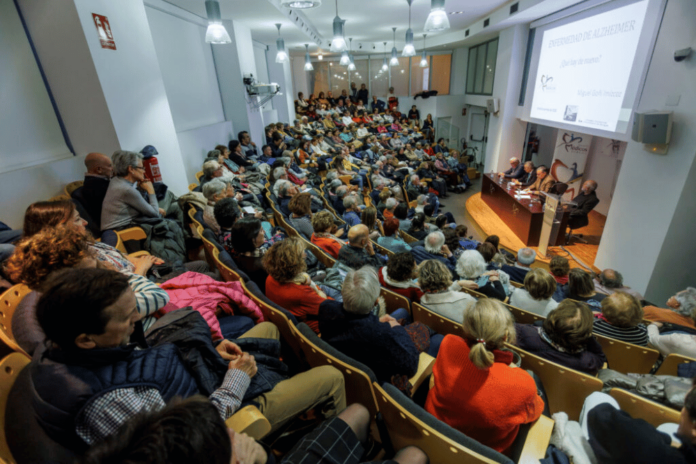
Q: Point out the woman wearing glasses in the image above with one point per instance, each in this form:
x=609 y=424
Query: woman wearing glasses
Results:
x=123 y=202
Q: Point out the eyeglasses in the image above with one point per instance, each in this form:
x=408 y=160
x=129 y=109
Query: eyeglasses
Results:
x=138 y=167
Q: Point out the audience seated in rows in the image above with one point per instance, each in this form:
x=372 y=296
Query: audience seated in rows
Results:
x=536 y=296
x=434 y=248
x=392 y=240
x=389 y=349
x=248 y=247
x=300 y=217
x=559 y=268
x=440 y=294
x=93 y=328
x=325 y=234
x=609 y=281
x=564 y=338
x=418 y=229
x=400 y=276
x=100 y=170
x=475 y=389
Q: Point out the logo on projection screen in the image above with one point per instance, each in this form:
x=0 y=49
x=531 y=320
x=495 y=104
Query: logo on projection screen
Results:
x=546 y=84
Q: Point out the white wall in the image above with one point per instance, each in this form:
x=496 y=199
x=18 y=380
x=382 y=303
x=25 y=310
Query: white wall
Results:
x=649 y=233
x=602 y=166
x=281 y=74
x=299 y=78
x=547 y=145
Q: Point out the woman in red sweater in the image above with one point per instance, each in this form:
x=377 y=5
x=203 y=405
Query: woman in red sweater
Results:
x=399 y=276
x=323 y=224
x=288 y=285
x=475 y=390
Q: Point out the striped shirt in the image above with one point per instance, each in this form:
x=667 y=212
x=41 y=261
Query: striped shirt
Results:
x=149 y=298
x=637 y=335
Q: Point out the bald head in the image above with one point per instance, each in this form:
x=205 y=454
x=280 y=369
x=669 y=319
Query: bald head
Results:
x=99 y=165
x=358 y=234
x=589 y=186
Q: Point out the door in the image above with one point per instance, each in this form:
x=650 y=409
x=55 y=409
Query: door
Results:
x=478 y=136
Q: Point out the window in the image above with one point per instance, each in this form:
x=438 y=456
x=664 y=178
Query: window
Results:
x=361 y=75
x=319 y=78
x=481 y=68
x=380 y=80
x=399 y=77
x=440 y=67
x=420 y=77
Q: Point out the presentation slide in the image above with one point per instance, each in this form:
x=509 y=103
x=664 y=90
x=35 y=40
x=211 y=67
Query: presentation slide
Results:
x=584 y=68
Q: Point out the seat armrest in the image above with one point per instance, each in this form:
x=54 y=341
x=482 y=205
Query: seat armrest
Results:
x=425 y=369
x=133 y=233
x=249 y=420
x=137 y=254
x=537 y=441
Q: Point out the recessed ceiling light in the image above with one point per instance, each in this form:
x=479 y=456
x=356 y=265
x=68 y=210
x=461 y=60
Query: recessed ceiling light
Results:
x=455 y=12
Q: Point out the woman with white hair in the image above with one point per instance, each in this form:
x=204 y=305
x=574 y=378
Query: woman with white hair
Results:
x=122 y=202
x=214 y=191
x=472 y=266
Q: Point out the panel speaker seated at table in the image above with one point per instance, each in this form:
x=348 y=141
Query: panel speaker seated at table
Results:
x=584 y=203
x=543 y=182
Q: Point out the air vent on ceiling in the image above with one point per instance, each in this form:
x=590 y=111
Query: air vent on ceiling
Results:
x=486 y=22
x=466 y=33
x=514 y=7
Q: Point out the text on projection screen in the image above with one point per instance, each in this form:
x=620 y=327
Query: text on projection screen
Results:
x=584 y=67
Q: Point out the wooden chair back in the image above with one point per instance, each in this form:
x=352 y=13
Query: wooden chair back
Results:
x=381 y=250
x=626 y=357
x=60 y=197
x=474 y=293
x=405 y=429
x=671 y=364
x=359 y=388
x=394 y=301
x=285 y=325
x=566 y=388
x=72 y=186
x=133 y=233
x=192 y=186
x=516 y=284
x=227 y=274
x=523 y=317
x=208 y=247
x=642 y=408
x=10 y=367
x=9 y=301
x=199 y=174
x=439 y=324
x=321 y=255
x=407 y=238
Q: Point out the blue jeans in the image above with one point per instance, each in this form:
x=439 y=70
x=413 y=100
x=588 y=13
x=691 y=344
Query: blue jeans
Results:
x=234 y=326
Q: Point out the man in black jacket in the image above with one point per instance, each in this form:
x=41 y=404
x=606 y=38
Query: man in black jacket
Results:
x=515 y=172
x=585 y=202
x=363 y=94
x=529 y=176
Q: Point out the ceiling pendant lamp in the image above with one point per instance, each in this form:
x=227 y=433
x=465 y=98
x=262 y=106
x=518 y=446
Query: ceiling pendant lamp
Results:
x=320 y=57
x=394 y=61
x=345 y=59
x=424 y=58
x=300 y=4
x=385 y=67
x=338 y=44
x=281 y=56
x=437 y=19
x=409 y=49
x=307 y=62
x=351 y=65
x=216 y=32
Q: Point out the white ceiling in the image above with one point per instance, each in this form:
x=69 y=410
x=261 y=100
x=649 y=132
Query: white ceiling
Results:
x=367 y=21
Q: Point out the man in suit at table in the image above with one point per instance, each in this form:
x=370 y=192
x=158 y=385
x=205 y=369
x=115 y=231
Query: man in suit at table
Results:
x=515 y=172
x=585 y=202
x=529 y=175
x=543 y=182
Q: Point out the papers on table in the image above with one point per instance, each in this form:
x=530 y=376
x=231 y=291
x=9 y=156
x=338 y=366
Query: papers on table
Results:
x=523 y=196
x=249 y=209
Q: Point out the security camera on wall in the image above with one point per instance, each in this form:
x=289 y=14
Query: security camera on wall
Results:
x=681 y=55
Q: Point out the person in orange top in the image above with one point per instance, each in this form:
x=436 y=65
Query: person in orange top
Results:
x=475 y=390
x=288 y=285
x=682 y=310
x=323 y=224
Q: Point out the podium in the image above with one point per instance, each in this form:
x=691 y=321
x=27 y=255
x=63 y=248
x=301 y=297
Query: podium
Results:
x=552 y=222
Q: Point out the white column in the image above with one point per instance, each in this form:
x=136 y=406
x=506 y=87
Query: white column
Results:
x=281 y=74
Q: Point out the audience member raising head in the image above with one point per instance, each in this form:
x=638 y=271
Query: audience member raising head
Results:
x=473 y=373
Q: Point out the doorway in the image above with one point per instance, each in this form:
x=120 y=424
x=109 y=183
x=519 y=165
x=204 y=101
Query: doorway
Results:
x=478 y=136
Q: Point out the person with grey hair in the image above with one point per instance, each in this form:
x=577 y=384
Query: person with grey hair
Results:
x=214 y=191
x=525 y=259
x=680 y=311
x=609 y=281
x=337 y=200
x=381 y=343
x=350 y=204
x=434 y=248
x=472 y=266
x=529 y=176
x=391 y=204
x=331 y=175
x=515 y=172
x=122 y=202
x=211 y=170
x=584 y=203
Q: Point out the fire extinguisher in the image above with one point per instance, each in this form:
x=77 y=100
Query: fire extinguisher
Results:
x=151 y=165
